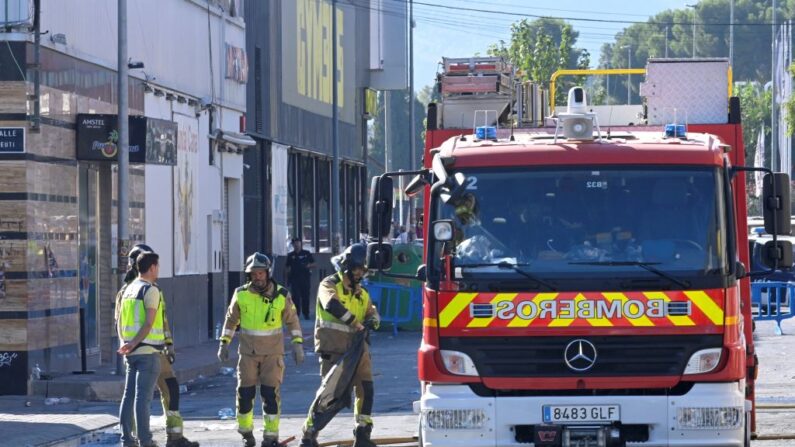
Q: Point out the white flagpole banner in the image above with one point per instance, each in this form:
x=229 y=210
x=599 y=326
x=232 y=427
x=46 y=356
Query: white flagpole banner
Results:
x=279 y=164
x=759 y=161
x=783 y=91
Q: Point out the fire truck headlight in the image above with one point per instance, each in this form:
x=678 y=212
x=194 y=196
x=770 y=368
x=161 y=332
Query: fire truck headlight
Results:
x=458 y=363
x=709 y=418
x=455 y=419
x=443 y=230
x=703 y=361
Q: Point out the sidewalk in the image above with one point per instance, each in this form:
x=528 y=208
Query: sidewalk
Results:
x=105 y=385
x=775 y=387
x=28 y=421
x=87 y=403
x=80 y=423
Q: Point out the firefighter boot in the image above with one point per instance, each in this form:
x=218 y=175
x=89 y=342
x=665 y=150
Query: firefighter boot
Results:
x=361 y=436
x=248 y=439
x=309 y=439
x=181 y=442
x=270 y=441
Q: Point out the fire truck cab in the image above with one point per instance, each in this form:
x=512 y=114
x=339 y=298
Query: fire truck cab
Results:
x=586 y=283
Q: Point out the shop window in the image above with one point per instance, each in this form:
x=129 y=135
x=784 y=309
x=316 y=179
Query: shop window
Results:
x=350 y=204
x=306 y=178
x=323 y=195
x=292 y=195
x=364 y=198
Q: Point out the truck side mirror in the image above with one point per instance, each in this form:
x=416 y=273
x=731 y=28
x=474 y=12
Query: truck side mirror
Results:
x=777 y=254
x=422 y=273
x=379 y=256
x=381 y=191
x=776 y=207
x=416 y=185
x=740 y=271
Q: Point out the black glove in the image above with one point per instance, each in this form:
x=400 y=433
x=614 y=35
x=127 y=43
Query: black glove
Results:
x=223 y=352
x=372 y=324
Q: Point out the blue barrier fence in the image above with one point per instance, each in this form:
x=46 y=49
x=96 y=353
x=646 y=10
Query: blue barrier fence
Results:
x=773 y=301
x=397 y=304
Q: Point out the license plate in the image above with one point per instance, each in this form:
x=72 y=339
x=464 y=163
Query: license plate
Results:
x=581 y=413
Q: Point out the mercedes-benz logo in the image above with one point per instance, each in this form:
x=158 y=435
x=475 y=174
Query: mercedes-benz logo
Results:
x=580 y=355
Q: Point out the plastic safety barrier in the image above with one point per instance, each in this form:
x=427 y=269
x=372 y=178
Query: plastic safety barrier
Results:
x=397 y=304
x=773 y=301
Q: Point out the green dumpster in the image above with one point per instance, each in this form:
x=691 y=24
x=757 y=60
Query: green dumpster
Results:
x=406 y=258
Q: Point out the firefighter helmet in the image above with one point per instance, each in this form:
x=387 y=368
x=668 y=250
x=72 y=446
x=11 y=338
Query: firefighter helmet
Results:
x=258 y=261
x=353 y=256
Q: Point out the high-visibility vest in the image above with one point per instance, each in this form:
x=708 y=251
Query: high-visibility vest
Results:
x=356 y=304
x=133 y=315
x=259 y=315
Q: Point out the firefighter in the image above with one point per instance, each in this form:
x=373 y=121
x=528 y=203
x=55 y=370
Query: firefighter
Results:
x=261 y=307
x=167 y=383
x=343 y=308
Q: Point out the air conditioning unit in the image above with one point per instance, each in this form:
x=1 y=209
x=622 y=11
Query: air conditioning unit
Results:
x=219 y=216
x=16 y=14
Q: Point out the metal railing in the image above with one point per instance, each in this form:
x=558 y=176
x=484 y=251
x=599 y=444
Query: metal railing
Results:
x=772 y=300
x=604 y=71
x=396 y=304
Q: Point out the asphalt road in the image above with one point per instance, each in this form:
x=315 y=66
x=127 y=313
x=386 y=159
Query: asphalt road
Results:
x=396 y=385
x=394 y=371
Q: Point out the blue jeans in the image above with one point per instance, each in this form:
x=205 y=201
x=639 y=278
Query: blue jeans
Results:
x=142 y=372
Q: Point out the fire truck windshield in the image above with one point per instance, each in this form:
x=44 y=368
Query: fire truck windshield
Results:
x=588 y=222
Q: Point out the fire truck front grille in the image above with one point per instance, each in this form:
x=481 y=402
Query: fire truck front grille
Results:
x=664 y=355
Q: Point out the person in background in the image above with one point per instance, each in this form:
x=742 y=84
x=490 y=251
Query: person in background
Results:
x=403 y=236
x=143 y=340
x=167 y=382
x=299 y=275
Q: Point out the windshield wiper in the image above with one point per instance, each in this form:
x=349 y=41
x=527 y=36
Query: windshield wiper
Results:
x=515 y=268
x=644 y=265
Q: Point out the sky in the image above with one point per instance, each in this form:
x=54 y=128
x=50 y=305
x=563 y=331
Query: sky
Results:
x=449 y=31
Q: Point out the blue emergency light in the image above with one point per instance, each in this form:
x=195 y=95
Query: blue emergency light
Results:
x=675 y=131
x=486 y=133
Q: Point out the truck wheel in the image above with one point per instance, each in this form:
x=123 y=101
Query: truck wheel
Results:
x=419 y=434
x=747 y=441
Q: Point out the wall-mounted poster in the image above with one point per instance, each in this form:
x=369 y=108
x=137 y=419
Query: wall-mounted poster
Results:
x=186 y=200
x=236 y=64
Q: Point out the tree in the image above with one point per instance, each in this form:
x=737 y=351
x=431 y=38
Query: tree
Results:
x=400 y=147
x=788 y=107
x=752 y=37
x=540 y=47
x=755 y=107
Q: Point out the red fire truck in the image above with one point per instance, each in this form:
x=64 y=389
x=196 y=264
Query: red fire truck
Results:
x=585 y=284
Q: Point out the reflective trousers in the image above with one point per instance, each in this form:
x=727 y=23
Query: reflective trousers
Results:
x=266 y=371
x=169 y=396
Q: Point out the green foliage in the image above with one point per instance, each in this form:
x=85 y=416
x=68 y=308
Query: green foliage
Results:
x=540 y=47
x=670 y=34
x=400 y=147
x=755 y=107
x=788 y=108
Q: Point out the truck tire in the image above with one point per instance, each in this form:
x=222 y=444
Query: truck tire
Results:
x=419 y=434
x=747 y=440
